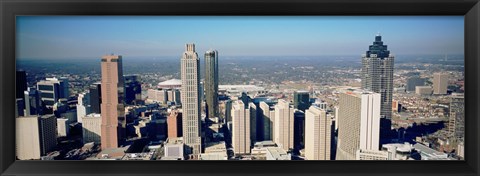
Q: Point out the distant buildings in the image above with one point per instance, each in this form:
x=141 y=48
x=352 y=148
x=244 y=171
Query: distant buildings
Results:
x=164 y=95
x=170 y=84
x=301 y=100
x=317 y=134
x=35 y=136
x=358 y=123
x=423 y=90
x=440 y=83
x=415 y=81
x=211 y=83
x=190 y=73
x=377 y=76
x=113 y=129
x=283 y=125
x=91 y=128
x=241 y=136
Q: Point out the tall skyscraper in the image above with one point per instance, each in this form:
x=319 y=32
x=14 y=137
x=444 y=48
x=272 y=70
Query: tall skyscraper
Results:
x=241 y=136
x=20 y=83
x=317 y=134
x=358 y=122
x=377 y=76
x=456 y=121
x=283 y=123
x=113 y=102
x=95 y=97
x=190 y=96
x=301 y=100
x=298 y=129
x=440 y=83
x=211 y=83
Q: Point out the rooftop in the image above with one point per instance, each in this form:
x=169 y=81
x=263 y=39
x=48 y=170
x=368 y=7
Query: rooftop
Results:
x=171 y=82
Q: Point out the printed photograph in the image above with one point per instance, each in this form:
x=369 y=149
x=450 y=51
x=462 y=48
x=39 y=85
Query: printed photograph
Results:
x=239 y=88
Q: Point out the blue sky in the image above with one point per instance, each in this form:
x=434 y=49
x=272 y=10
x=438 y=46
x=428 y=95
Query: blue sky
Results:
x=130 y=36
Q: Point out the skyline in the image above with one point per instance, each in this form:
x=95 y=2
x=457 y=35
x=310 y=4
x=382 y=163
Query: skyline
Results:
x=89 y=36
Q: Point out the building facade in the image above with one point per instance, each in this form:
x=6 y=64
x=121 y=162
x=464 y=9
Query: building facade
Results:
x=113 y=128
x=211 y=83
x=317 y=134
x=190 y=97
x=241 y=136
x=301 y=100
x=91 y=128
x=283 y=125
x=377 y=74
x=440 y=83
x=358 y=123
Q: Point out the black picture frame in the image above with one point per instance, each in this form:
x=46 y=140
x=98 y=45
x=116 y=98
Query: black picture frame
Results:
x=9 y=9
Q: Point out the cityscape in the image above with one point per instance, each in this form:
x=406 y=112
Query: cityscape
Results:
x=210 y=103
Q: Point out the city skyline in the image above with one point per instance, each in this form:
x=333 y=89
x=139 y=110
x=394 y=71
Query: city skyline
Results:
x=70 y=37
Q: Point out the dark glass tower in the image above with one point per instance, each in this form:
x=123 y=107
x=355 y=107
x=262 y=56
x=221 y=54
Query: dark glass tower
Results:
x=96 y=97
x=301 y=100
x=133 y=89
x=211 y=83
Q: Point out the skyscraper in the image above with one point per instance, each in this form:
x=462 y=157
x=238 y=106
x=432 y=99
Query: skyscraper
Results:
x=301 y=100
x=377 y=76
x=317 y=134
x=52 y=89
x=190 y=96
x=440 y=83
x=358 y=123
x=113 y=102
x=211 y=83
x=35 y=136
x=283 y=123
x=95 y=97
x=241 y=136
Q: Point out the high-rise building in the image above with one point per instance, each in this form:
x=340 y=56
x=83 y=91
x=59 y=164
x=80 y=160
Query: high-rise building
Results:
x=440 y=83
x=133 y=89
x=174 y=124
x=190 y=97
x=358 y=123
x=377 y=75
x=83 y=105
x=298 y=129
x=241 y=137
x=301 y=100
x=456 y=121
x=33 y=104
x=35 y=136
x=51 y=90
x=283 y=125
x=415 y=81
x=113 y=129
x=267 y=120
x=95 y=97
x=91 y=128
x=20 y=83
x=253 y=122
x=317 y=134
x=211 y=83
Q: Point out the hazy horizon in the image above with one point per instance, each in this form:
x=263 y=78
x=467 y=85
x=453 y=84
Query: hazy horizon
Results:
x=94 y=36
